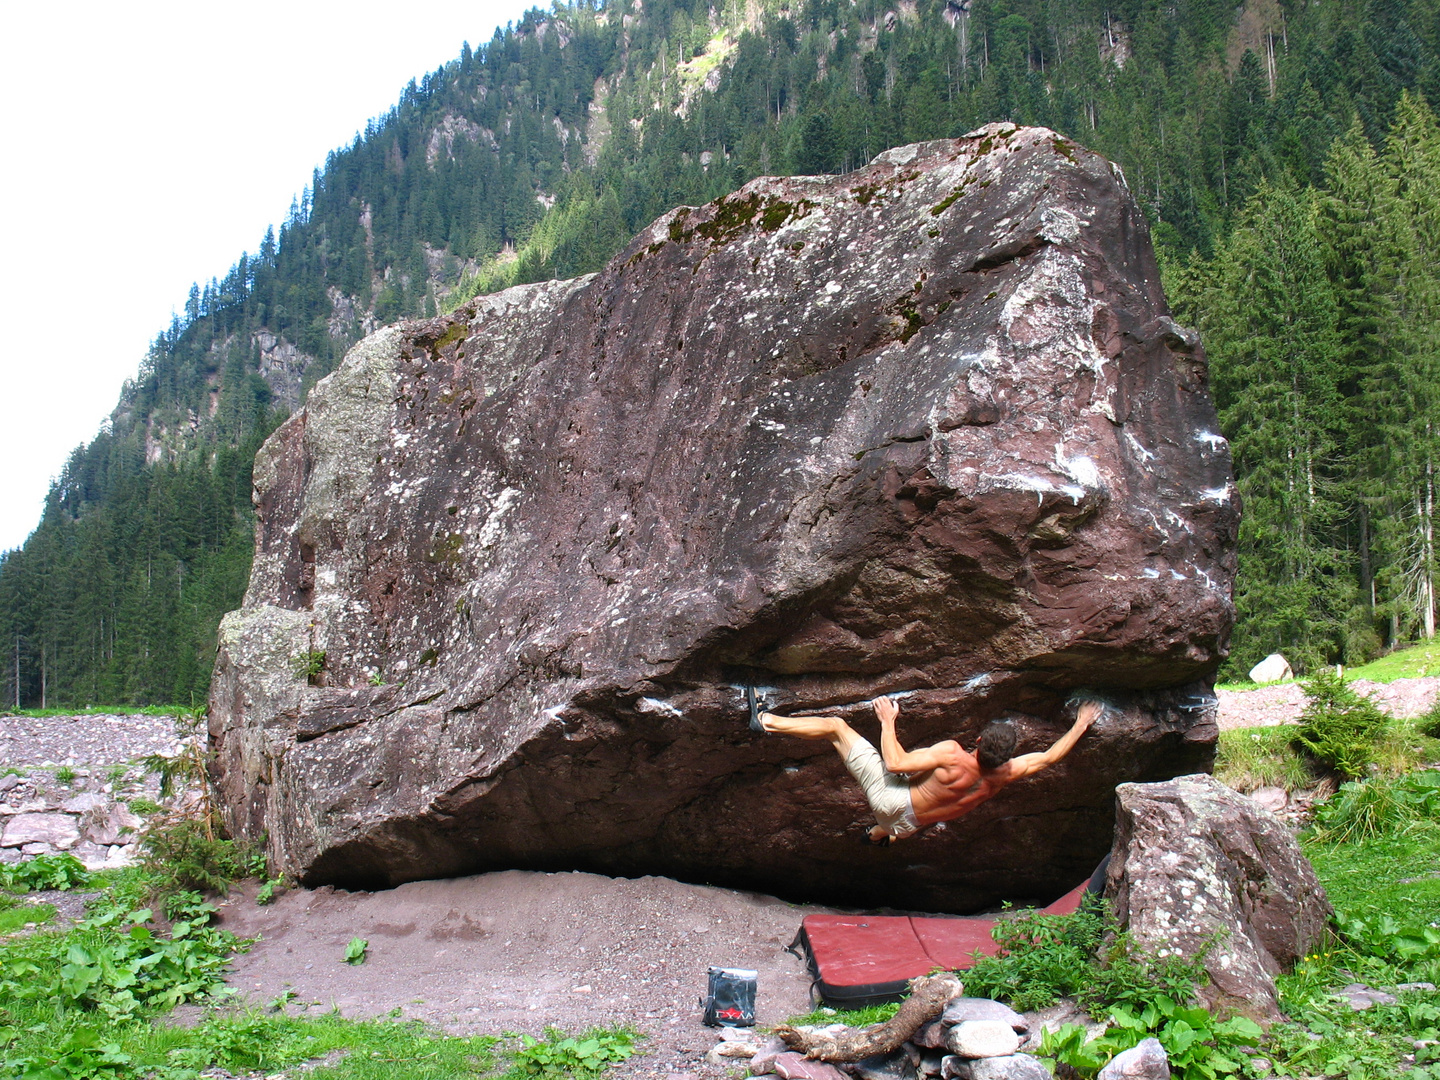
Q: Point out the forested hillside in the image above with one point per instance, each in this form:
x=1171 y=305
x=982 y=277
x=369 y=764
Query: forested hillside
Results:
x=1290 y=186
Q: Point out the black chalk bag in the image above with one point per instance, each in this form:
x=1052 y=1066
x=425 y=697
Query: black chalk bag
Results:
x=730 y=1001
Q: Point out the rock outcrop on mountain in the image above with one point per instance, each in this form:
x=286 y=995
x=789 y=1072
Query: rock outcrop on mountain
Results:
x=926 y=428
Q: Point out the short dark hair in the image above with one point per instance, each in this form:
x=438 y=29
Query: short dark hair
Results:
x=997 y=744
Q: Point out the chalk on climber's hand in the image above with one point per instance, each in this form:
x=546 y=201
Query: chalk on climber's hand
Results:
x=1086 y=697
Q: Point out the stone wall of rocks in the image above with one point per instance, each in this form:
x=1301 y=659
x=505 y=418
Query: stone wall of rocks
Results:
x=75 y=784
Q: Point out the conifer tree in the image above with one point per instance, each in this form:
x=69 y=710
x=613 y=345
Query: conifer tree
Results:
x=1271 y=336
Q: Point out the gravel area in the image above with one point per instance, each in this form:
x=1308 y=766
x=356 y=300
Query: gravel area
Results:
x=91 y=739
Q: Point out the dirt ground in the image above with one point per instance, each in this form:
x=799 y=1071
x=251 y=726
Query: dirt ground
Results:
x=518 y=951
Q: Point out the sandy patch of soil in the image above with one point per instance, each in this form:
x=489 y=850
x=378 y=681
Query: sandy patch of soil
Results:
x=518 y=951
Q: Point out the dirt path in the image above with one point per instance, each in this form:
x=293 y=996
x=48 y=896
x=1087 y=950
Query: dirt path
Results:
x=519 y=951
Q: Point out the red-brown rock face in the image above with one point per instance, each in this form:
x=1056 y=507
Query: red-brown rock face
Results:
x=925 y=428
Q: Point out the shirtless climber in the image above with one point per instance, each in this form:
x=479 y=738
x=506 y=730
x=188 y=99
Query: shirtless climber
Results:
x=944 y=781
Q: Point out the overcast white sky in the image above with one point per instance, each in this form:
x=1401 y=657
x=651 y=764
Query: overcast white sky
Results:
x=147 y=145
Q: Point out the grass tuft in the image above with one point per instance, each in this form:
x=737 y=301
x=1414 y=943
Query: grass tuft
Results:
x=1248 y=759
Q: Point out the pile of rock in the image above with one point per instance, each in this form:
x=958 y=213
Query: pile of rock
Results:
x=974 y=1039
x=83 y=811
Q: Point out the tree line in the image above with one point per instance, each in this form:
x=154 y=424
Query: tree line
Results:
x=1252 y=141
x=1319 y=312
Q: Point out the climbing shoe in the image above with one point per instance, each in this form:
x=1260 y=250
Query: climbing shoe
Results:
x=755 y=724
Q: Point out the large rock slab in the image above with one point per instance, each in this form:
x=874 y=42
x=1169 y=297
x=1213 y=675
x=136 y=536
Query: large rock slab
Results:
x=1199 y=866
x=925 y=428
x=57 y=830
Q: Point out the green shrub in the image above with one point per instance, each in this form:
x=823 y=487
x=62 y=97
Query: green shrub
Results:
x=61 y=871
x=1043 y=958
x=1198 y=1046
x=1428 y=723
x=188 y=855
x=1338 y=726
x=561 y=1056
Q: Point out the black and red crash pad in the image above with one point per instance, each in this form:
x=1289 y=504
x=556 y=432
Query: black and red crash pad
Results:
x=860 y=960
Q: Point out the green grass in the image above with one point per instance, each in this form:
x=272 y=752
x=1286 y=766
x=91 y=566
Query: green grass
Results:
x=89 y=1002
x=103 y=710
x=1251 y=758
x=875 y=1014
x=15 y=913
x=250 y=1042
x=1389 y=876
x=1415 y=662
x=1412 y=663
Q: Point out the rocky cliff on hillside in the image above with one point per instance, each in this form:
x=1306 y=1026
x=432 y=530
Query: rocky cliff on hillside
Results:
x=924 y=428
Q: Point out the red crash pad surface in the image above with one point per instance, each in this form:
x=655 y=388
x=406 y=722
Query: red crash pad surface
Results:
x=864 y=957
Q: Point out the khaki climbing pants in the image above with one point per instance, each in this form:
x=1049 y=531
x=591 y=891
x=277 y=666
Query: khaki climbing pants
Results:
x=888 y=793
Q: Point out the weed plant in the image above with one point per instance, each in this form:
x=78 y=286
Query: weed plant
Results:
x=1428 y=723
x=1366 y=809
x=1199 y=1046
x=558 y=1056
x=60 y=871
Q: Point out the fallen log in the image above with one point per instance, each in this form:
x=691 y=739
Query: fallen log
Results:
x=928 y=997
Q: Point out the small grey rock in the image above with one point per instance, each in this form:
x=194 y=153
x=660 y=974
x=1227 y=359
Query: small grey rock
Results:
x=731 y=1053
x=1407 y=987
x=88 y=800
x=8 y=782
x=896 y=1065
x=1052 y=1018
x=763 y=1063
x=1357 y=995
x=1146 y=1060
x=973 y=1008
x=793 y=1066
x=1273 y=799
x=1010 y=1067
x=931 y=1036
x=56 y=829
x=931 y=1062
x=982 y=1039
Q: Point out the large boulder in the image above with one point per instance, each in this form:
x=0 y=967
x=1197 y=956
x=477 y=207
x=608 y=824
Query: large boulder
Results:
x=925 y=428
x=1199 y=867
